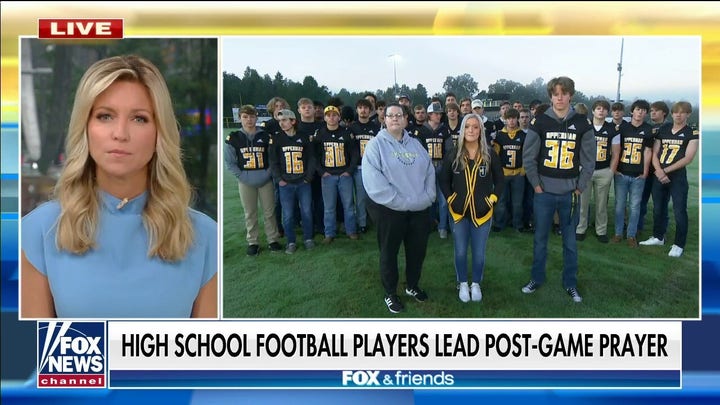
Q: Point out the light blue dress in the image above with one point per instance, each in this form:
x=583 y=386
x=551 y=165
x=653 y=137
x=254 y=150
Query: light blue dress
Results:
x=117 y=279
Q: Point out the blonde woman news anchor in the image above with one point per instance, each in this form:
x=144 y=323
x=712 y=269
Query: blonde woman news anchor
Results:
x=119 y=240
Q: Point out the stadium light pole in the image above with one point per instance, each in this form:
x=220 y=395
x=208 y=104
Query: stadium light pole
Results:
x=619 y=69
x=395 y=57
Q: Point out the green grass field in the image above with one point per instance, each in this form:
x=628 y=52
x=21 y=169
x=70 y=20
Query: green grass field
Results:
x=342 y=280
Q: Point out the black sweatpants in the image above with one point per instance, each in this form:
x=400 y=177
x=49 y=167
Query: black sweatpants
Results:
x=394 y=228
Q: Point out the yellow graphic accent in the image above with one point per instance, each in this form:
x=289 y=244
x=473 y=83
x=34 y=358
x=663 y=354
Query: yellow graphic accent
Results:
x=601 y=150
x=334 y=154
x=632 y=153
x=455 y=216
x=666 y=158
x=512 y=157
x=253 y=160
x=435 y=150
x=294 y=162
x=363 y=143
x=560 y=154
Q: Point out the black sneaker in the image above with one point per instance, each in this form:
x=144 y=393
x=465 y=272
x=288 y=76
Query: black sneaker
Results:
x=393 y=303
x=580 y=236
x=253 y=250
x=275 y=247
x=530 y=287
x=603 y=238
x=420 y=295
x=574 y=294
x=363 y=229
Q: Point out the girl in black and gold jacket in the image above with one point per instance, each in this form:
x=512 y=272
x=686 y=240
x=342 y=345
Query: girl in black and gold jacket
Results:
x=471 y=180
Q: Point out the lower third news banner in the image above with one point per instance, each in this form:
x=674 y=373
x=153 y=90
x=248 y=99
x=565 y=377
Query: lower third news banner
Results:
x=394 y=354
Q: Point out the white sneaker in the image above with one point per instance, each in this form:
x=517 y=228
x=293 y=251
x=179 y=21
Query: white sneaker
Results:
x=443 y=233
x=653 y=241
x=464 y=293
x=475 y=292
x=675 y=251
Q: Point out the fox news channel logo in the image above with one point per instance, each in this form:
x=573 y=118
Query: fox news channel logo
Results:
x=71 y=355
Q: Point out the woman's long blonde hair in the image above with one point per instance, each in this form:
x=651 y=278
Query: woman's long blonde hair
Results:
x=165 y=214
x=461 y=156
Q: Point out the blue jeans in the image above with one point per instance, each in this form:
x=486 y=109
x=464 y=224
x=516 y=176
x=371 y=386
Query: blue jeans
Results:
x=442 y=206
x=528 y=198
x=318 y=208
x=514 y=190
x=278 y=207
x=439 y=209
x=647 y=193
x=677 y=189
x=290 y=195
x=568 y=208
x=624 y=186
x=361 y=198
x=331 y=186
x=464 y=234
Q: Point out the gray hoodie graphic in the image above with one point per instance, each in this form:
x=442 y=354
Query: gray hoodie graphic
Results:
x=398 y=174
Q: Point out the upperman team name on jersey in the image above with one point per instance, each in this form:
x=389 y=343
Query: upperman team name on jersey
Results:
x=561 y=136
x=634 y=139
x=260 y=149
x=292 y=148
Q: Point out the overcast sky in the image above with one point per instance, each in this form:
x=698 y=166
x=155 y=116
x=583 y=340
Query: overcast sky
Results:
x=653 y=67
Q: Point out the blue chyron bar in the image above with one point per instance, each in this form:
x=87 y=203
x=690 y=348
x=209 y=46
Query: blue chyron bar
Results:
x=395 y=379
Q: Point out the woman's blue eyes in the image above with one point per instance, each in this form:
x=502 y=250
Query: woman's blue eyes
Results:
x=107 y=117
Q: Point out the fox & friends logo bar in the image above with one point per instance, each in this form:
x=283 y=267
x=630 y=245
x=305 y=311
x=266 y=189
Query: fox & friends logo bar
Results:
x=80 y=28
x=71 y=354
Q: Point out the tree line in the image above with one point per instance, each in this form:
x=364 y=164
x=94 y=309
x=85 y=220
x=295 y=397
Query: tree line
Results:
x=252 y=88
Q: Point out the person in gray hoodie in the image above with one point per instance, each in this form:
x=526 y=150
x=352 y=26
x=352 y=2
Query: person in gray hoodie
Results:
x=246 y=157
x=559 y=159
x=400 y=180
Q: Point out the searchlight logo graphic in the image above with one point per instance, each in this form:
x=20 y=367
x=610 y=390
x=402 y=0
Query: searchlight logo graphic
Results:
x=71 y=355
